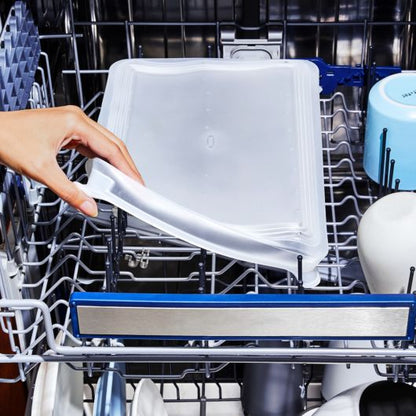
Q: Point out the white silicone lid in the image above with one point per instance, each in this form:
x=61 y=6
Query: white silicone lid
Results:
x=230 y=145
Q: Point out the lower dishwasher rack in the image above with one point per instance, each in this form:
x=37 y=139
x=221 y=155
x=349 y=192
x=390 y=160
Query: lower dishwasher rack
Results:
x=50 y=251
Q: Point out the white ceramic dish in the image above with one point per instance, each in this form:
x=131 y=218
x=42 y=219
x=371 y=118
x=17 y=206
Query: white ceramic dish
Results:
x=220 y=145
x=147 y=400
x=345 y=404
x=386 y=243
x=338 y=377
x=58 y=390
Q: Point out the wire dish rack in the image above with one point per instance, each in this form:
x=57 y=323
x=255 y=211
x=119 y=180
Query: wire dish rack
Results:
x=50 y=250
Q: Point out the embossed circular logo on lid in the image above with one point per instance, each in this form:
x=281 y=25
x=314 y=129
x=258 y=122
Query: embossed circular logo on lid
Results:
x=402 y=88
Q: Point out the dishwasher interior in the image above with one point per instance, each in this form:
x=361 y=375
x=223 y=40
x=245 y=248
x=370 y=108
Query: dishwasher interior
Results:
x=49 y=250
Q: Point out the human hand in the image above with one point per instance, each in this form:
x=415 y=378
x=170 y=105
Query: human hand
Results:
x=31 y=139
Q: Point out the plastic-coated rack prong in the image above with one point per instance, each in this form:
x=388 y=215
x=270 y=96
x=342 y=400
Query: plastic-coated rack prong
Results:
x=410 y=281
x=203 y=400
x=202 y=271
x=114 y=253
x=120 y=234
x=386 y=170
x=113 y=234
x=406 y=373
x=396 y=185
x=382 y=157
x=391 y=172
x=300 y=274
x=121 y=228
x=367 y=75
x=109 y=265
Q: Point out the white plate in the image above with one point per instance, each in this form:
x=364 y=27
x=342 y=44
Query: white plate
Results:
x=58 y=390
x=147 y=400
x=231 y=153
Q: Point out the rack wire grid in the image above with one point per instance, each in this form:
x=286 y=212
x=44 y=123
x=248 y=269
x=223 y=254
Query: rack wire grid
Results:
x=50 y=250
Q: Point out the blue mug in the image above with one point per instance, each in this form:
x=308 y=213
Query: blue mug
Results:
x=392 y=108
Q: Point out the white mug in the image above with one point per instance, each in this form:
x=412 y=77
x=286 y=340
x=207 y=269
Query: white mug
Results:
x=387 y=243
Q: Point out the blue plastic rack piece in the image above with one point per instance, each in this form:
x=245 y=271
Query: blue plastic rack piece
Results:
x=331 y=76
x=250 y=316
x=19 y=57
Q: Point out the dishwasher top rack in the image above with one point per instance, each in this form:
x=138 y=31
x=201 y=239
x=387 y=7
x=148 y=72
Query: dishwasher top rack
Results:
x=52 y=250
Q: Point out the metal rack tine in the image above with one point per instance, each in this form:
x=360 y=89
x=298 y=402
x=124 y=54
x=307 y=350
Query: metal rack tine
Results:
x=391 y=173
x=382 y=158
x=300 y=275
x=202 y=271
x=386 y=170
x=410 y=282
x=109 y=272
x=396 y=185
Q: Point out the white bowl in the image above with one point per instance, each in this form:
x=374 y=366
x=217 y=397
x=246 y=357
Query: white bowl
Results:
x=338 y=377
x=387 y=243
x=345 y=404
x=392 y=398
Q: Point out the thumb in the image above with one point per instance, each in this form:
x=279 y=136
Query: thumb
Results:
x=58 y=182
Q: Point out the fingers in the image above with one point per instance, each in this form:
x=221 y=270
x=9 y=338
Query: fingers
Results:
x=58 y=182
x=85 y=151
x=108 y=150
x=117 y=141
x=102 y=143
x=91 y=140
